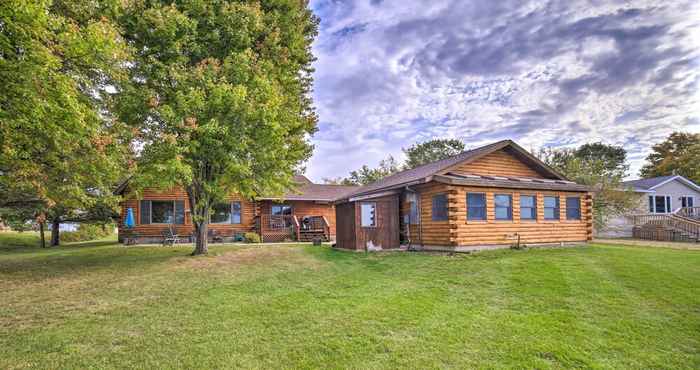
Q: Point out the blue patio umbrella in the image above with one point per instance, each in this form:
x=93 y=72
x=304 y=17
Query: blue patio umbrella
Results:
x=129 y=222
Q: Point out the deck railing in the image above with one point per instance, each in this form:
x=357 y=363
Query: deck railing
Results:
x=674 y=221
x=689 y=212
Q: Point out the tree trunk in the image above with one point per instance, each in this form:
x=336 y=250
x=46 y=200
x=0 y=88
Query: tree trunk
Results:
x=55 y=237
x=41 y=233
x=201 y=242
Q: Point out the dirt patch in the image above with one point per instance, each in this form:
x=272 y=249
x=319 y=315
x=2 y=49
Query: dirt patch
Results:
x=264 y=255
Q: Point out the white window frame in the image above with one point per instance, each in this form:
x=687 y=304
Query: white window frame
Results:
x=686 y=197
x=668 y=206
x=374 y=218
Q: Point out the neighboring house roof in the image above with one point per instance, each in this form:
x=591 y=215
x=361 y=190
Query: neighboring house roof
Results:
x=648 y=185
x=423 y=173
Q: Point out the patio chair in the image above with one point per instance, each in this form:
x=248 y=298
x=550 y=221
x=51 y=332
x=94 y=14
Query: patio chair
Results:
x=170 y=237
x=215 y=236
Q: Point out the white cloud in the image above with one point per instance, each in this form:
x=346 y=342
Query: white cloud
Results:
x=390 y=73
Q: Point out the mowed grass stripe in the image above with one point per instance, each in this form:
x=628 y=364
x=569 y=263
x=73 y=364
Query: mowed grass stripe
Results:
x=106 y=306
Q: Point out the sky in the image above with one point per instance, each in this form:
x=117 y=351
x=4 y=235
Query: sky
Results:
x=391 y=73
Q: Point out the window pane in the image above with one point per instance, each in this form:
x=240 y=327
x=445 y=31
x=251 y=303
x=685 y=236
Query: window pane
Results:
x=690 y=202
x=476 y=206
x=528 y=210
x=162 y=212
x=527 y=201
x=440 y=207
x=651 y=204
x=573 y=208
x=367 y=214
x=504 y=210
x=551 y=202
x=221 y=213
x=236 y=213
x=660 y=204
x=528 y=213
x=551 y=208
x=281 y=210
x=414 y=213
x=476 y=199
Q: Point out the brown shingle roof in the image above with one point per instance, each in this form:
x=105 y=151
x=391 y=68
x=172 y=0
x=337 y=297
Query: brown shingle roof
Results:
x=420 y=173
x=319 y=192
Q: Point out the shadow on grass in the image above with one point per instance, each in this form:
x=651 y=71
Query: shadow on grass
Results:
x=84 y=257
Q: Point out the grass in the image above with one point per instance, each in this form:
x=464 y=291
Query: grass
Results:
x=100 y=305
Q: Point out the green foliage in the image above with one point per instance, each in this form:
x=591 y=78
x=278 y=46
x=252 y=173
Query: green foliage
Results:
x=602 y=167
x=366 y=175
x=417 y=154
x=431 y=151
x=87 y=232
x=61 y=150
x=252 y=238
x=678 y=154
x=219 y=94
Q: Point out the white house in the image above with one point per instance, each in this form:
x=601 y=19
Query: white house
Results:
x=658 y=195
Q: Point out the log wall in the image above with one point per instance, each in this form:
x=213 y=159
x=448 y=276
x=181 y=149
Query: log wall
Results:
x=499 y=163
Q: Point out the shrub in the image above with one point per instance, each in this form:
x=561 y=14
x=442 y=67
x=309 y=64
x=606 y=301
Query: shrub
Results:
x=252 y=238
x=87 y=232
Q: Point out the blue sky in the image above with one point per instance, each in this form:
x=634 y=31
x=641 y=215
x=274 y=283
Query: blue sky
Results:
x=391 y=73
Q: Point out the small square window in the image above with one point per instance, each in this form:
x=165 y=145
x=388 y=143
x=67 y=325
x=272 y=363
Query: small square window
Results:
x=528 y=207
x=368 y=217
x=476 y=206
x=440 y=207
x=551 y=208
x=503 y=206
x=573 y=208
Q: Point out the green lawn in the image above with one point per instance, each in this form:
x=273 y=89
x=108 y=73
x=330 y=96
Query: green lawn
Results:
x=100 y=305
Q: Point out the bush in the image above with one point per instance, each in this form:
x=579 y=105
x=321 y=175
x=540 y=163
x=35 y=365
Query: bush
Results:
x=87 y=232
x=252 y=238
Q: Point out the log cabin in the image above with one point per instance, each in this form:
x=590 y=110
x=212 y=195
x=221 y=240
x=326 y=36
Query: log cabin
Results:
x=305 y=213
x=494 y=196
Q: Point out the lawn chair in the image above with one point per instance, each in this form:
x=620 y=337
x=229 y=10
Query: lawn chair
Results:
x=215 y=236
x=170 y=237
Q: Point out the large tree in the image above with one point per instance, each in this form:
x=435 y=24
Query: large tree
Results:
x=61 y=150
x=602 y=167
x=220 y=94
x=431 y=151
x=677 y=154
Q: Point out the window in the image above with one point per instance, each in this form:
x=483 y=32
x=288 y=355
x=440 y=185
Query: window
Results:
x=368 y=214
x=440 y=207
x=281 y=210
x=476 y=206
x=235 y=212
x=162 y=212
x=551 y=208
x=414 y=213
x=528 y=207
x=573 y=208
x=660 y=204
x=687 y=201
x=226 y=213
x=504 y=206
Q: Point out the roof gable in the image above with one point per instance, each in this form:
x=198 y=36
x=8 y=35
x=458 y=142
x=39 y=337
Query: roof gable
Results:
x=503 y=162
x=424 y=172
